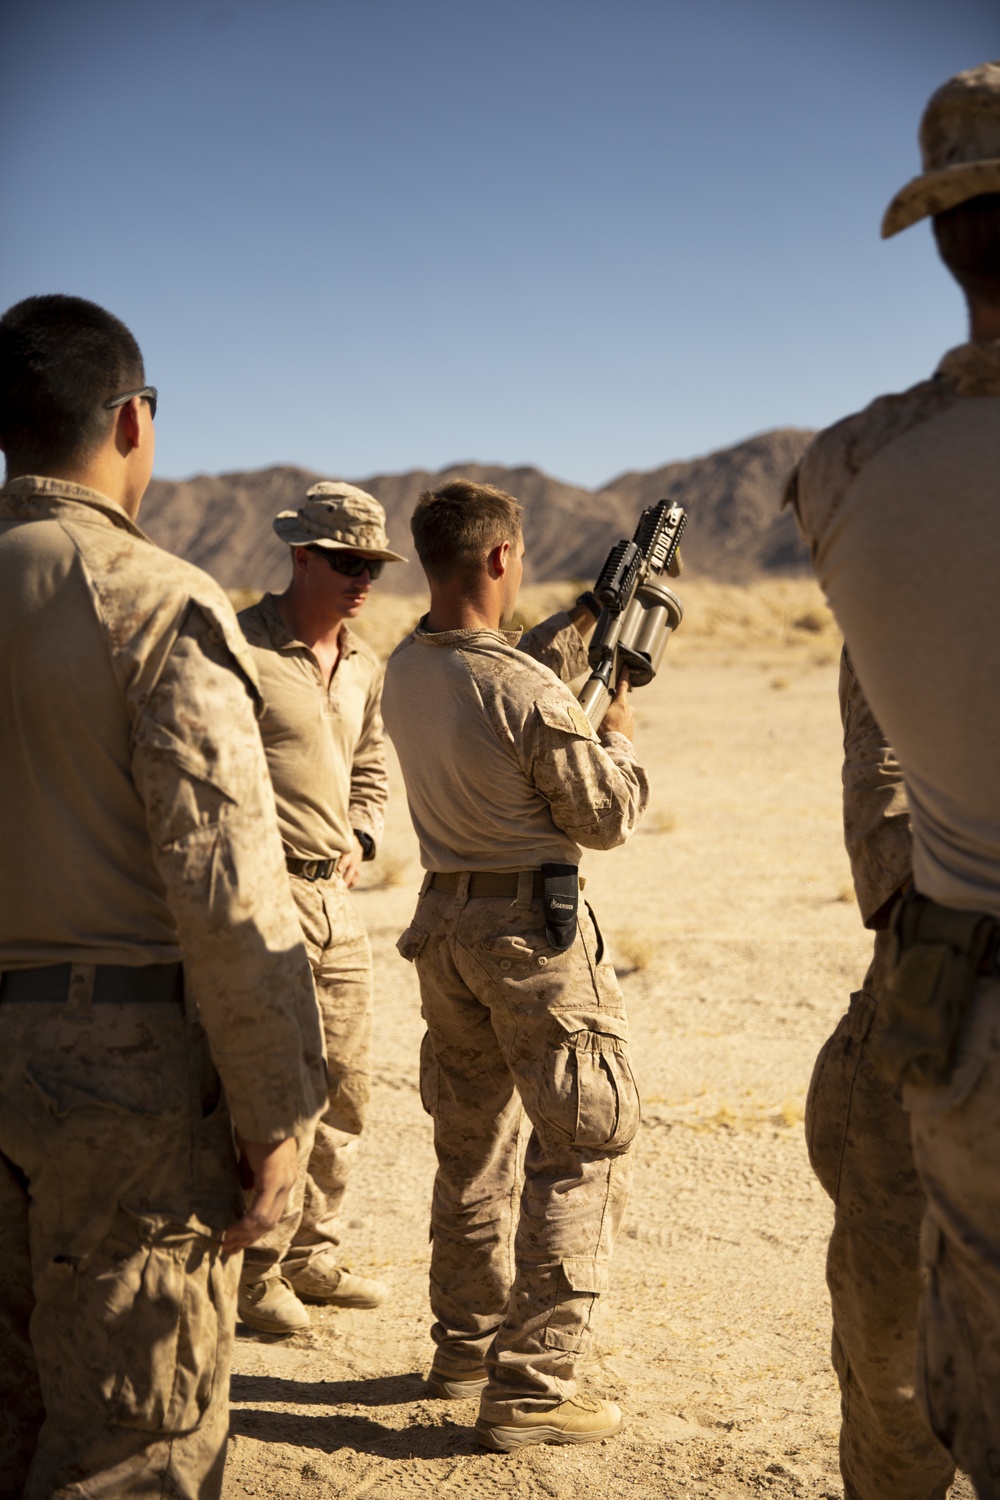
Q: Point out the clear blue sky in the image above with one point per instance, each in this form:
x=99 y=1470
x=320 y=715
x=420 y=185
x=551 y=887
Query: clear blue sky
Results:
x=586 y=234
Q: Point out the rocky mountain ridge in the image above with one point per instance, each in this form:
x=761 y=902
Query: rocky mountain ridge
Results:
x=736 y=531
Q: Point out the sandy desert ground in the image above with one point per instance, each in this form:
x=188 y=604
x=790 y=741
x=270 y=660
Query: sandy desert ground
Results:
x=733 y=926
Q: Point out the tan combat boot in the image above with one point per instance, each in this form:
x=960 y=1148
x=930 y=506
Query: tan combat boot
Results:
x=270 y=1306
x=582 y=1419
x=337 y=1286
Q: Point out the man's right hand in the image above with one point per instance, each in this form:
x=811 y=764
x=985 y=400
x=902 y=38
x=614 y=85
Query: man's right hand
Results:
x=272 y=1166
x=620 y=716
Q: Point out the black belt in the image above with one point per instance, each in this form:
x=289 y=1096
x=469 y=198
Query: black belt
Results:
x=114 y=984
x=311 y=869
x=488 y=883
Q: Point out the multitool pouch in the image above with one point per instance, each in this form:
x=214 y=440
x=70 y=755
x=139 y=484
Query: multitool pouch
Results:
x=937 y=956
x=560 y=898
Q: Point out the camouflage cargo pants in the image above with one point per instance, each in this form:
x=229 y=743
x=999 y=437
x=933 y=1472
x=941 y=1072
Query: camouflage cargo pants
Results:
x=859 y=1145
x=956 y=1144
x=117 y=1176
x=512 y=1023
x=340 y=957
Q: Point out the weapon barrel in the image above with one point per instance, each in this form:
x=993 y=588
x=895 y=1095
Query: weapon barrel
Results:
x=595 y=696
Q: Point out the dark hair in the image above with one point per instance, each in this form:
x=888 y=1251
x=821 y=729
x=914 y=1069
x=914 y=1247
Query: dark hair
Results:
x=61 y=358
x=455 y=527
x=968 y=241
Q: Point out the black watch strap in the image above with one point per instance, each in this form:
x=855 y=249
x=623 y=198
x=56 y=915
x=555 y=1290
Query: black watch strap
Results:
x=367 y=843
x=590 y=601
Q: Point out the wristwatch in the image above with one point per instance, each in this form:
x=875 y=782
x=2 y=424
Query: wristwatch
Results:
x=590 y=601
x=367 y=843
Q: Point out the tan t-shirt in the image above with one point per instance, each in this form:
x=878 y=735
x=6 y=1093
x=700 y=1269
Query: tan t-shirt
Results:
x=900 y=506
x=137 y=814
x=325 y=746
x=502 y=768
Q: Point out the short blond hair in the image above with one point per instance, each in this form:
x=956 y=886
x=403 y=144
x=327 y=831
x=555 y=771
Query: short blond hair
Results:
x=456 y=527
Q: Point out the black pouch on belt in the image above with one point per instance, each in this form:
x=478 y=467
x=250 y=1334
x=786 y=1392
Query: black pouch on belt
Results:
x=560 y=898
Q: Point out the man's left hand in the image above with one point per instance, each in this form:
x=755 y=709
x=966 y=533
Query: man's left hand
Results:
x=350 y=863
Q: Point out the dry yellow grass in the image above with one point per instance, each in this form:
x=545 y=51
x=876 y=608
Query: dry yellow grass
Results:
x=783 y=616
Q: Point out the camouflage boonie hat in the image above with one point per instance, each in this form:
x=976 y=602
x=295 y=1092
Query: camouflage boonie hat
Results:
x=339 y=516
x=960 y=147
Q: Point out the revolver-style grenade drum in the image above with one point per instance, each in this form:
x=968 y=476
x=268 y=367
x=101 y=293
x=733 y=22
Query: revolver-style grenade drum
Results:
x=639 y=612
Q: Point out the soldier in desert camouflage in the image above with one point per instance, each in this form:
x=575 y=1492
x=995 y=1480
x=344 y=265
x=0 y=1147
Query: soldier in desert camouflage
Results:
x=504 y=775
x=899 y=506
x=858 y=1135
x=155 y=990
x=322 y=732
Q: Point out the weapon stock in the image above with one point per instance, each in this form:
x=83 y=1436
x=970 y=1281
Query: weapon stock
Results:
x=639 y=612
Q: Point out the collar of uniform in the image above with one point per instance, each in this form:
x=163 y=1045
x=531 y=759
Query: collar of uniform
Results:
x=461 y=637
x=282 y=638
x=28 y=497
x=973 y=369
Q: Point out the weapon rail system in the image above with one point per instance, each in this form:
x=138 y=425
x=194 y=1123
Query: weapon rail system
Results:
x=639 y=613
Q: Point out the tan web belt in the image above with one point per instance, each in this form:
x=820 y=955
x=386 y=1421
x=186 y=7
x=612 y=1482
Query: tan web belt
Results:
x=488 y=883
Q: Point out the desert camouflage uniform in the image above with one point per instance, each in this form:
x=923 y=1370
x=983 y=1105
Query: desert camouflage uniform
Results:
x=513 y=1026
x=919 y=472
x=859 y=1145
x=325 y=749
x=139 y=829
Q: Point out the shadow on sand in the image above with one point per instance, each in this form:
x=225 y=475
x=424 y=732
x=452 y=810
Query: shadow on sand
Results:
x=334 y=1432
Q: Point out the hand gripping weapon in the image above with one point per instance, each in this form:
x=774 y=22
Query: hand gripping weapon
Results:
x=639 y=613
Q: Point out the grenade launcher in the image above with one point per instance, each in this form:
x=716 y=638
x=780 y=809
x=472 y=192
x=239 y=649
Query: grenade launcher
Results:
x=638 y=611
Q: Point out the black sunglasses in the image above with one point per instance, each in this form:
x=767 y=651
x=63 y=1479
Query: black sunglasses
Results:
x=351 y=564
x=147 y=392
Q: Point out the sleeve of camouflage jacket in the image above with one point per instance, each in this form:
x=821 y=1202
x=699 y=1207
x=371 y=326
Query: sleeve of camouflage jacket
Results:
x=558 y=645
x=199 y=766
x=596 y=789
x=369 y=781
x=876 y=816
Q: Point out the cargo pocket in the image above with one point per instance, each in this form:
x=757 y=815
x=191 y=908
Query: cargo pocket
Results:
x=828 y=1102
x=155 y=1298
x=429 y=1075
x=589 y=1092
x=582 y=1279
x=410 y=944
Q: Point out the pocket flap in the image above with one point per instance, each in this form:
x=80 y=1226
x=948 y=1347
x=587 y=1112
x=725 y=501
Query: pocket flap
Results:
x=410 y=944
x=125 y=1090
x=603 y=1022
x=585 y=1273
x=566 y=715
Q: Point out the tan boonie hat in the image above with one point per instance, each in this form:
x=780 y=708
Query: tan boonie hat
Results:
x=339 y=516
x=960 y=147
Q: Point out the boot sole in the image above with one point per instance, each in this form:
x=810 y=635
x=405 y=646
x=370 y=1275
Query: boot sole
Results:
x=334 y=1301
x=506 y=1439
x=260 y=1325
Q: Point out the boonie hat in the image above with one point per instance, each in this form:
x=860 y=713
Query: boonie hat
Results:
x=960 y=147
x=340 y=516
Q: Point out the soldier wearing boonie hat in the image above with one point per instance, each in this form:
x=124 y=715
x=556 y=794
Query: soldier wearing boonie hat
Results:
x=339 y=517
x=322 y=732
x=899 y=505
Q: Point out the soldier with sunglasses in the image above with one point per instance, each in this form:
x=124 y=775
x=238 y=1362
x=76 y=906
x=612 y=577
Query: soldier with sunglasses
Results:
x=322 y=732
x=154 y=988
